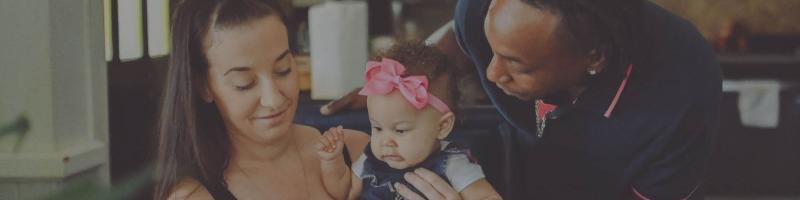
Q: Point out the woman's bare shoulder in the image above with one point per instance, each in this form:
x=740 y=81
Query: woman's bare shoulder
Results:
x=356 y=141
x=355 y=138
x=307 y=132
x=189 y=189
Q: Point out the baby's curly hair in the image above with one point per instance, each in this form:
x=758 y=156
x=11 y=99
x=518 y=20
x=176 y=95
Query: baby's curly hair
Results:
x=422 y=59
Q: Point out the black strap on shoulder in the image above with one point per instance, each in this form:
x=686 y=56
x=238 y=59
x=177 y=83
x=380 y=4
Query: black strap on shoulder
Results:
x=219 y=191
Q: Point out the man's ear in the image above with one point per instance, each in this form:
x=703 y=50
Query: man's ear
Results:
x=596 y=60
x=446 y=124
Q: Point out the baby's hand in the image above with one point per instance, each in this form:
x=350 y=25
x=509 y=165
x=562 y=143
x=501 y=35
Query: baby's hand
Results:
x=330 y=145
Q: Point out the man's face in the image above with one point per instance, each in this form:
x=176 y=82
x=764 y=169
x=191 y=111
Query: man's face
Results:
x=530 y=62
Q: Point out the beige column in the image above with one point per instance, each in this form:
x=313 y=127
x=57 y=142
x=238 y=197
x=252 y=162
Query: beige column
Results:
x=52 y=73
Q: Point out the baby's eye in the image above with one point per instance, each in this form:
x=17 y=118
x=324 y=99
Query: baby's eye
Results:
x=377 y=128
x=401 y=131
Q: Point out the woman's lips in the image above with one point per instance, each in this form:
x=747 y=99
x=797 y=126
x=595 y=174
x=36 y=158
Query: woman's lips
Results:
x=271 y=119
x=272 y=115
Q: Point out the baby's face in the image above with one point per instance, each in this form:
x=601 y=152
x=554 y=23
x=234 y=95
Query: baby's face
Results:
x=402 y=136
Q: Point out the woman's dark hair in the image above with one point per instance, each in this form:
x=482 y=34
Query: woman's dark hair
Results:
x=613 y=27
x=192 y=139
x=422 y=59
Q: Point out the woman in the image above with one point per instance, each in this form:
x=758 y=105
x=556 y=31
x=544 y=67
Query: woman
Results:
x=226 y=125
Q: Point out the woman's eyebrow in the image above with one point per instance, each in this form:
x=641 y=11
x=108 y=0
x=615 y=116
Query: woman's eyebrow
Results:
x=283 y=55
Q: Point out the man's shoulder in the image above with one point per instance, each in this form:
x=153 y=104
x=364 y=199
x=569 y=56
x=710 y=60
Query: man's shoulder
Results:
x=680 y=53
x=674 y=40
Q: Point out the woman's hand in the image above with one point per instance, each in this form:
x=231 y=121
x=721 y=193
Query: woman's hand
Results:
x=329 y=146
x=431 y=185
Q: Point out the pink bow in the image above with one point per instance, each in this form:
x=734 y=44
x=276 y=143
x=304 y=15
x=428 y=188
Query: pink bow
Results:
x=384 y=76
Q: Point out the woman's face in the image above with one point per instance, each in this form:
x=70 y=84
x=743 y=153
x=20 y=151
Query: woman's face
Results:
x=252 y=78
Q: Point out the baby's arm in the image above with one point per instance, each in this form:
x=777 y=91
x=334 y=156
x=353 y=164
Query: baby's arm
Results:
x=336 y=176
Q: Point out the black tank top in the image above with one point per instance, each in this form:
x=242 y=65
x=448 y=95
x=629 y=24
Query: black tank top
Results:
x=219 y=191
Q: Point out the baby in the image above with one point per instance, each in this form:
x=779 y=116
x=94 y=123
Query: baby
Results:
x=409 y=125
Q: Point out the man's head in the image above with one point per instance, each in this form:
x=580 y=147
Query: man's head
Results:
x=542 y=47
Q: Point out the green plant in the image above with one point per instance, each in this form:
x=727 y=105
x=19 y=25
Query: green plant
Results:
x=94 y=191
x=21 y=126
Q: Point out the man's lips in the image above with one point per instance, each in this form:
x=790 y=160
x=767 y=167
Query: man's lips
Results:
x=503 y=89
x=510 y=93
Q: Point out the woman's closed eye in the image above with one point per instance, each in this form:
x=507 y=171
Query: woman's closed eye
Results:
x=246 y=86
x=284 y=72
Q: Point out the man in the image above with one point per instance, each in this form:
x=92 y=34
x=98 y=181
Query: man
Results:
x=629 y=96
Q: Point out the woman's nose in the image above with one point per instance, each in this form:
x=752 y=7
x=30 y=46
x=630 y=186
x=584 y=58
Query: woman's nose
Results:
x=270 y=95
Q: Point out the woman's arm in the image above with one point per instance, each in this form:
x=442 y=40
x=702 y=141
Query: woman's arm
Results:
x=356 y=142
x=355 y=188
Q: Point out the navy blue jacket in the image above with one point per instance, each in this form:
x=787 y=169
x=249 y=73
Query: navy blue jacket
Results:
x=652 y=143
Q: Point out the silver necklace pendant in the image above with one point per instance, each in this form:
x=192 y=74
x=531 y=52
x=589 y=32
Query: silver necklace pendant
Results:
x=541 y=121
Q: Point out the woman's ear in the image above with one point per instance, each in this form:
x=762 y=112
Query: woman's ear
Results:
x=202 y=88
x=446 y=124
x=206 y=95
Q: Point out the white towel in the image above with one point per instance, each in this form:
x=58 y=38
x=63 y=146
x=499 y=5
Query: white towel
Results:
x=759 y=101
x=338 y=36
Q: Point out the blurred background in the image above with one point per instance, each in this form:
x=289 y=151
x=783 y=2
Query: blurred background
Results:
x=80 y=82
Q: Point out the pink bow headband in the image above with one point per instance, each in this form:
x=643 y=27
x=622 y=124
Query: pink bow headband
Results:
x=384 y=76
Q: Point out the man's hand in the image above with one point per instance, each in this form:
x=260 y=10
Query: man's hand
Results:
x=431 y=185
x=351 y=100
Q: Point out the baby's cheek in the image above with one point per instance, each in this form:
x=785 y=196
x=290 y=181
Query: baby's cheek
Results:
x=416 y=152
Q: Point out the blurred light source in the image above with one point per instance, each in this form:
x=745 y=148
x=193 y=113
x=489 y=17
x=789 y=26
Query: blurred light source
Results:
x=129 y=20
x=158 y=27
